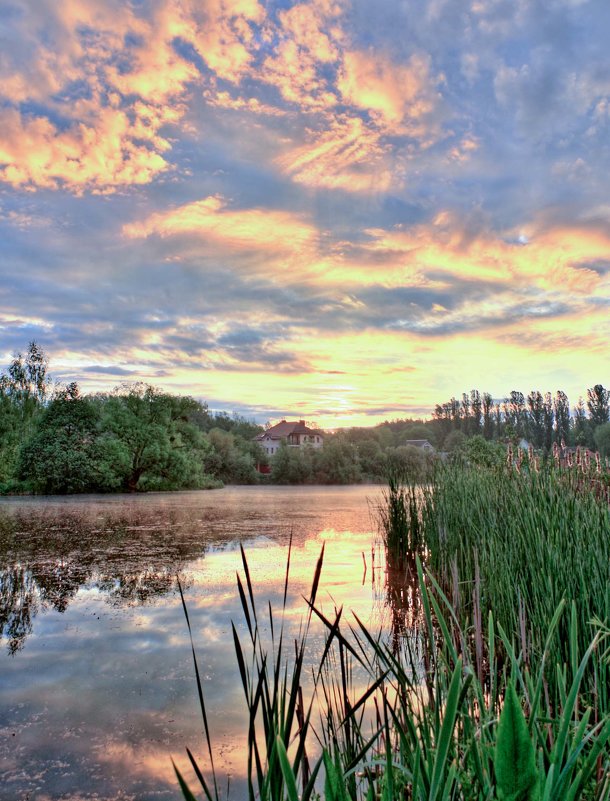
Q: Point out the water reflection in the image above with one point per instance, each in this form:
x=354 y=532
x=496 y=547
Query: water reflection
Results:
x=402 y=596
x=98 y=691
x=47 y=556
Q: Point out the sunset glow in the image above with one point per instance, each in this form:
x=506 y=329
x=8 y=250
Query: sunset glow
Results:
x=328 y=209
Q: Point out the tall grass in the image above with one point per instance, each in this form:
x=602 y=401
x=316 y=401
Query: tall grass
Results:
x=434 y=721
x=519 y=544
x=399 y=519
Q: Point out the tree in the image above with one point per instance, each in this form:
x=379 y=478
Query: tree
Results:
x=602 y=439
x=548 y=417
x=231 y=459
x=476 y=404
x=408 y=463
x=453 y=441
x=598 y=403
x=536 y=407
x=561 y=407
x=582 y=427
x=27 y=377
x=337 y=462
x=515 y=413
x=488 y=420
x=371 y=458
x=156 y=446
x=23 y=389
x=62 y=455
x=291 y=465
x=479 y=451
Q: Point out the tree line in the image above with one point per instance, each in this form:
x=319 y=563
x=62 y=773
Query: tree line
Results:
x=55 y=440
x=540 y=418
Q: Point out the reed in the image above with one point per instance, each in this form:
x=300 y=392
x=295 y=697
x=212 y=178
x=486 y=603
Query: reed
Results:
x=520 y=544
x=435 y=720
x=399 y=518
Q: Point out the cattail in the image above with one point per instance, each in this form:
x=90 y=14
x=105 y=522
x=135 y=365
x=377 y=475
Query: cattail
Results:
x=519 y=460
x=509 y=454
x=598 y=462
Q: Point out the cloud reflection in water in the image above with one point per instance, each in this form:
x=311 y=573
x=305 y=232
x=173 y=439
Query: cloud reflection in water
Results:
x=99 y=691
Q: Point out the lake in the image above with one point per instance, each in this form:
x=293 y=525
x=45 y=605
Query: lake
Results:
x=97 y=687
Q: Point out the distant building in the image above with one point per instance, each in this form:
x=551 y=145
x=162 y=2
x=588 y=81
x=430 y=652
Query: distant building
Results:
x=294 y=433
x=422 y=444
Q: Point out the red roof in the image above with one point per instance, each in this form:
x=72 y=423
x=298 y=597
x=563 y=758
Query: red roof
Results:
x=285 y=428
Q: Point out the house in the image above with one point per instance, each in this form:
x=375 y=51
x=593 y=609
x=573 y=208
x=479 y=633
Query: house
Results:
x=422 y=444
x=294 y=433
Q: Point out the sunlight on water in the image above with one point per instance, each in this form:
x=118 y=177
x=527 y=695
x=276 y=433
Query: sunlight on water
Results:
x=98 y=687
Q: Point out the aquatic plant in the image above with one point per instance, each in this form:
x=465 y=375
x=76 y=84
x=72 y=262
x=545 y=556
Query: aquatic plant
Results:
x=434 y=721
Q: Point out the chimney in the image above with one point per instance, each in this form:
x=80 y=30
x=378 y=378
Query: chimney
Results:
x=301 y=422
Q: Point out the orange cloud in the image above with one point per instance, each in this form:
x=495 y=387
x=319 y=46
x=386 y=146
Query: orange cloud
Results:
x=349 y=155
x=548 y=257
x=224 y=36
x=306 y=46
x=397 y=96
x=248 y=229
x=99 y=156
x=113 y=138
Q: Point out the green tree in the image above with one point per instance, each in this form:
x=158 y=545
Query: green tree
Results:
x=582 y=426
x=453 y=441
x=371 y=458
x=337 y=462
x=290 y=465
x=480 y=452
x=407 y=462
x=602 y=439
x=561 y=407
x=23 y=390
x=536 y=407
x=155 y=445
x=488 y=420
x=598 y=403
x=62 y=455
x=232 y=459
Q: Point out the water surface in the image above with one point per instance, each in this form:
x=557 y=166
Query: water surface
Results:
x=97 y=689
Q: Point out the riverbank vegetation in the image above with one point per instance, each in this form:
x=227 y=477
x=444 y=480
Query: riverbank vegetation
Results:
x=496 y=686
x=54 y=439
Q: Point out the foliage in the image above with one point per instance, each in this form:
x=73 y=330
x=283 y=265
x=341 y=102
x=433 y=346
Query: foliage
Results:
x=434 y=721
x=477 y=451
x=515 y=757
x=62 y=454
x=520 y=544
x=157 y=448
x=231 y=458
x=602 y=439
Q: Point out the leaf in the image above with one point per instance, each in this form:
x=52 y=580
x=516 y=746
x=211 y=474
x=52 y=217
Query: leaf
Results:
x=515 y=758
x=334 y=786
x=289 y=777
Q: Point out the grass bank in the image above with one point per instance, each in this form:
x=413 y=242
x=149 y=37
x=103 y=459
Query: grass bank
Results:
x=498 y=693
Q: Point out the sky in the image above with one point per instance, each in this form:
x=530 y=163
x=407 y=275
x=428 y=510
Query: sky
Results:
x=336 y=210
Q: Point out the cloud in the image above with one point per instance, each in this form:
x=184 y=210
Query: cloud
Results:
x=236 y=229
x=225 y=34
x=108 y=81
x=99 y=157
x=398 y=97
x=304 y=58
x=348 y=156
